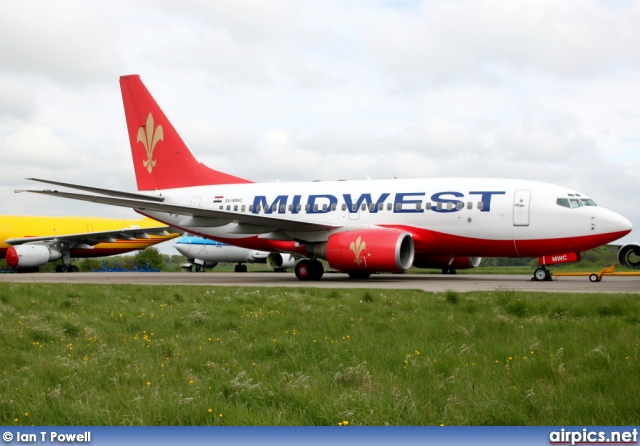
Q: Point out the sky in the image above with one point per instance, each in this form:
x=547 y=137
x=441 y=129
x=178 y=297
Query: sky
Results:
x=286 y=90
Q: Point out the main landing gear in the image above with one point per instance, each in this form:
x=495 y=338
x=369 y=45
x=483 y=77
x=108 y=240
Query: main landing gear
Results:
x=309 y=269
x=542 y=274
x=240 y=268
x=66 y=269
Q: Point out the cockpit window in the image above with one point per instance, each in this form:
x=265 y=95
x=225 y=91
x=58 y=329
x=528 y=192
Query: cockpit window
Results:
x=575 y=203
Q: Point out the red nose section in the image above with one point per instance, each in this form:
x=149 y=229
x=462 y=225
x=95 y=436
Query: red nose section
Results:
x=12 y=257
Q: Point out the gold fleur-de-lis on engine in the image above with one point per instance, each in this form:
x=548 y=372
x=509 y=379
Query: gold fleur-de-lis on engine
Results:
x=357 y=247
x=149 y=139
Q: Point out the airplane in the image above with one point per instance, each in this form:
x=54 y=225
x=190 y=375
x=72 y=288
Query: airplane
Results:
x=204 y=253
x=358 y=227
x=28 y=242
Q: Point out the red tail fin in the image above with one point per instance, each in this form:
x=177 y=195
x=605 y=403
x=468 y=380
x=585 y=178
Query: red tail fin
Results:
x=161 y=159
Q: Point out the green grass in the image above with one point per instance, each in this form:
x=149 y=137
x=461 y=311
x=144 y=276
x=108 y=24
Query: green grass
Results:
x=181 y=355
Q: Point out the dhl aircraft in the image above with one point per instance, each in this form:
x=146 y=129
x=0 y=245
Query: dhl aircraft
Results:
x=358 y=227
x=206 y=253
x=28 y=242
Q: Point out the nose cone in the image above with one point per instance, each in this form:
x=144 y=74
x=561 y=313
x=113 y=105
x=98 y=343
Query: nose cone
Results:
x=614 y=224
x=620 y=224
x=183 y=245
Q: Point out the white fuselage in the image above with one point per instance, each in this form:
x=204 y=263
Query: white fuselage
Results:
x=448 y=216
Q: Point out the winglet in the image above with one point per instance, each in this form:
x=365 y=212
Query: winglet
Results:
x=161 y=159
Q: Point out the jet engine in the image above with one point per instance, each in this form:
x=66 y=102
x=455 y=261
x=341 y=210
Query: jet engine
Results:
x=26 y=256
x=629 y=255
x=279 y=261
x=368 y=251
x=445 y=262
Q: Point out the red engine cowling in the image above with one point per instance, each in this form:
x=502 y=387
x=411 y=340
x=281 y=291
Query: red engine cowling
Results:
x=370 y=250
x=26 y=256
x=445 y=262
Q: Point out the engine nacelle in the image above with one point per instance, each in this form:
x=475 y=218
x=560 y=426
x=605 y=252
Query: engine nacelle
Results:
x=629 y=255
x=276 y=260
x=26 y=256
x=369 y=250
x=444 y=262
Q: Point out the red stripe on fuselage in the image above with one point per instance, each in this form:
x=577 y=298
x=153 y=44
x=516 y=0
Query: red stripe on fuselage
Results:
x=432 y=243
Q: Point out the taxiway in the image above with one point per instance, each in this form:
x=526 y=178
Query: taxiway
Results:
x=427 y=282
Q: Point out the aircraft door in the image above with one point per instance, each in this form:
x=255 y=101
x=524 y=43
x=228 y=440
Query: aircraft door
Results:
x=521 y=201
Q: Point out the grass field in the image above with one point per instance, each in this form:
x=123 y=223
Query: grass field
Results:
x=180 y=355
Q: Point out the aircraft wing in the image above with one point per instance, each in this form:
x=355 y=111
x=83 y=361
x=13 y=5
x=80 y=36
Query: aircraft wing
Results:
x=194 y=216
x=93 y=238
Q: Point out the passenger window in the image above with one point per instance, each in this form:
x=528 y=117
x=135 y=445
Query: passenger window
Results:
x=354 y=207
x=325 y=206
x=469 y=205
x=274 y=208
x=299 y=207
x=333 y=206
x=439 y=206
x=418 y=206
x=363 y=206
x=282 y=208
x=228 y=207
x=459 y=205
x=244 y=208
x=235 y=208
x=398 y=206
x=389 y=206
x=344 y=206
x=480 y=205
x=315 y=207
x=564 y=202
x=290 y=208
x=381 y=206
x=427 y=206
x=250 y=208
x=372 y=207
x=307 y=207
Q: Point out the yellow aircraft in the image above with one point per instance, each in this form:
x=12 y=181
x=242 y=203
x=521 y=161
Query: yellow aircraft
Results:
x=29 y=242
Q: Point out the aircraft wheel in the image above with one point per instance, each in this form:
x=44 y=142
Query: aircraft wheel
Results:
x=359 y=274
x=541 y=274
x=594 y=278
x=59 y=268
x=243 y=268
x=73 y=269
x=317 y=270
x=303 y=270
x=199 y=268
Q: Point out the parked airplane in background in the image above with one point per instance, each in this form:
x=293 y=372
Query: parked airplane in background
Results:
x=204 y=253
x=359 y=227
x=29 y=242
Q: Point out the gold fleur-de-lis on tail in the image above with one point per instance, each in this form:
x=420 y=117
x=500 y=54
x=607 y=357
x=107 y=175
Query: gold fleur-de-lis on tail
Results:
x=149 y=139
x=357 y=247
